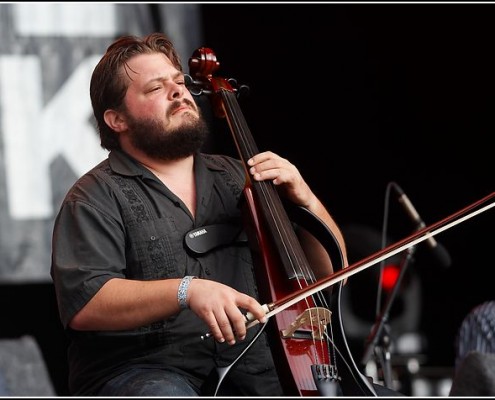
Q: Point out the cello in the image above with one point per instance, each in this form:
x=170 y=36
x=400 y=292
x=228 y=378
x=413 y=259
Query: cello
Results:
x=307 y=339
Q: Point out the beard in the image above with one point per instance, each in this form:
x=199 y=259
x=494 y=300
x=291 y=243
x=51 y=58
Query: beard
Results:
x=149 y=136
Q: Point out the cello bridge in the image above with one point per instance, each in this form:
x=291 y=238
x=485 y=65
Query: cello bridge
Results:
x=316 y=317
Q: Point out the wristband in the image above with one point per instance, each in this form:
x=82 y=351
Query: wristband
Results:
x=182 y=292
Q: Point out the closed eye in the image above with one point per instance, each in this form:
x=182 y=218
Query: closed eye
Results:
x=154 y=89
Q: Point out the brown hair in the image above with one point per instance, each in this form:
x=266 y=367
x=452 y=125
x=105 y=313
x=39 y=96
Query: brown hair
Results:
x=109 y=83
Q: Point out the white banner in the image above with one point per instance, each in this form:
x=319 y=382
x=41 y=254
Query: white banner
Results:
x=47 y=133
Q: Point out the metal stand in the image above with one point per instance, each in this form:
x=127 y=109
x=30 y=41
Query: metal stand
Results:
x=379 y=341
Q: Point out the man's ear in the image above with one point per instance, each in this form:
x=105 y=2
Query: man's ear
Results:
x=115 y=120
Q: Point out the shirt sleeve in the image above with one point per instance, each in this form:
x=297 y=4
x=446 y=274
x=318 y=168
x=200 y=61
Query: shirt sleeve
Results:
x=87 y=250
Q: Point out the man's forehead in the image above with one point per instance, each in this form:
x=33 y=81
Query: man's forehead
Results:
x=149 y=66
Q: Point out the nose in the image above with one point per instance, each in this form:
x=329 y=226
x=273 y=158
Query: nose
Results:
x=177 y=91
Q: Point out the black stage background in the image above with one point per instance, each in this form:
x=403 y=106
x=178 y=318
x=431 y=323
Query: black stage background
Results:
x=358 y=95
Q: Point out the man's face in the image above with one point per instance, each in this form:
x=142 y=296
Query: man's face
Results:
x=162 y=118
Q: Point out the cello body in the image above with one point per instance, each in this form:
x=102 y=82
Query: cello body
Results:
x=307 y=339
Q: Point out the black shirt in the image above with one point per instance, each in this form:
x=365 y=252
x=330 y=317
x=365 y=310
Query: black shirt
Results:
x=120 y=220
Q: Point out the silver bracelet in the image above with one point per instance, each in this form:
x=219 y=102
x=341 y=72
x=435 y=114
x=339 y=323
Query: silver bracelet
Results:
x=182 y=292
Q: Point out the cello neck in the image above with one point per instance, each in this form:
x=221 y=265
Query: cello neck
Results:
x=265 y=196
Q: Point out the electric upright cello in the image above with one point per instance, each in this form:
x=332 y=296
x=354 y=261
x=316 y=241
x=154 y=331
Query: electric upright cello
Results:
x=307 y=339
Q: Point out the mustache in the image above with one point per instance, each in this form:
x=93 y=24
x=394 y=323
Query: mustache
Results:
x=177 y=104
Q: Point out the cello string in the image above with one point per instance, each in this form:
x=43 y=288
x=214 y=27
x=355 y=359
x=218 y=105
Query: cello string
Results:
x=272 y=203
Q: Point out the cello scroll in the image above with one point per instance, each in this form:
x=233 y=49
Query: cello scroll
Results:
x=202 y=64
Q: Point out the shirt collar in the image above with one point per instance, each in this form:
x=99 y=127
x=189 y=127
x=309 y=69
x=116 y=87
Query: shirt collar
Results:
x=124 y=164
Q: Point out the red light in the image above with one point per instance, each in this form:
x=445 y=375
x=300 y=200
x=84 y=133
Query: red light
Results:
x=389 y=277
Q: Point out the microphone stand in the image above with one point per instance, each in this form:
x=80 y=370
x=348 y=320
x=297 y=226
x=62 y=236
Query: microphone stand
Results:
x=379 y=340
